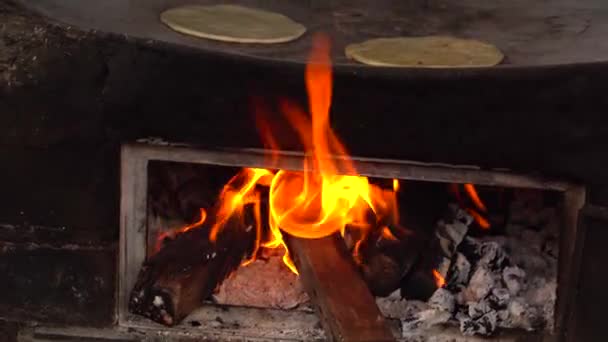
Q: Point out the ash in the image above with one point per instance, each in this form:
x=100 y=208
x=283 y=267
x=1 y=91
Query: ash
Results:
x=493 y=282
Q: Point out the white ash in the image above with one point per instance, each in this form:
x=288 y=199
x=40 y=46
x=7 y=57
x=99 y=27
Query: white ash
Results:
x=450 y=235
x=158 y=301
x=424 y=319
x=495 y=281
x=481 y=284
x=394 y=306
x=523 y=316
x=514 y=278
x=442 y=300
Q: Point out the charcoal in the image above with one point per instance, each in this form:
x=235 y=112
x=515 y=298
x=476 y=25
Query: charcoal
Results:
x=478 y=309
x=450 y=235
x=469 y=247
x=459 y=273
x=493 y=255
x=514 y=278
x=499 y=298
x=460 y=215
x=483 y=326
x=481 y=283
x=442 y=300
x=394 y=306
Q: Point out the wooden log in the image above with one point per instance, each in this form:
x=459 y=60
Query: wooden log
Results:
x=175 y=281
x=388 y=254
x=346 y=307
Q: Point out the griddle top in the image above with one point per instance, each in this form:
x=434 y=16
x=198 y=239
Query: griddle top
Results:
x=530 y=33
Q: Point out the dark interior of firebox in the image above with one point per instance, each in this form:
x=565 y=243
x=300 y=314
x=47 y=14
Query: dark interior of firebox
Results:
x=478 y=257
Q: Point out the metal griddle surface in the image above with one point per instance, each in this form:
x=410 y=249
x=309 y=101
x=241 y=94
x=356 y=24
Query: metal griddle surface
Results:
x=530 y=33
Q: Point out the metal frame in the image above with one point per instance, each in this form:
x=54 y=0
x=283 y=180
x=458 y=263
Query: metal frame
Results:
x=134 y=183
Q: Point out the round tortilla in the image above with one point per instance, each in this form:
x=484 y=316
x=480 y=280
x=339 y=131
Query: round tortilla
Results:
x=231 y=23
x=425 y=52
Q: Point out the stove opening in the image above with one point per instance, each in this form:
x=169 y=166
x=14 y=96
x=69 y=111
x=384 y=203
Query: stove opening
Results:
x=454 y=257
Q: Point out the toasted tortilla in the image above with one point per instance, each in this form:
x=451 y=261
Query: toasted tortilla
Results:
x=425 y=52
x=231 y=23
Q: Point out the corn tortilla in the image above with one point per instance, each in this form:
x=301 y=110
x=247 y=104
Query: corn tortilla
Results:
x=425 y=52
x=231 y=23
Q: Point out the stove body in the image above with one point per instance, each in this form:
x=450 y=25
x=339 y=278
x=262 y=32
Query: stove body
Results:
x=73 y=99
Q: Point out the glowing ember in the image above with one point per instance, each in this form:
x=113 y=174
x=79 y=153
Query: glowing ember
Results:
x=439 y=280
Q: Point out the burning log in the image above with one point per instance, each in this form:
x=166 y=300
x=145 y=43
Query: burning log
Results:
x=387 y=256
x=395 y=245
x=175 y=281
x=345 y=305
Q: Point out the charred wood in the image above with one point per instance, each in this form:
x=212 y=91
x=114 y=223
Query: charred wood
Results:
x=390 y=251
x=175 y=281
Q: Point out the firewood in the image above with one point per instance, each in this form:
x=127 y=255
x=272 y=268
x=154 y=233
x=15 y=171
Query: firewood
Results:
x=387 y=256
x=346 y=307
x=391 y=250
x=175 y=281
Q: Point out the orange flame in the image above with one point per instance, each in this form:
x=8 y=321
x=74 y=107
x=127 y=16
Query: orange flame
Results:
x=162 y=236
x=481 y=221
x=325 y=197
x=474 y=196
x=472 y=192
x=388 y=235
x=439 y=279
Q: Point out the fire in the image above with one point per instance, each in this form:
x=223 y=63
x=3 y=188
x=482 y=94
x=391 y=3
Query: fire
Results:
x=324 y=198
x=474 y=197
x=481 y=221
x=388 y=235
x=439 y=279
x=472 y=192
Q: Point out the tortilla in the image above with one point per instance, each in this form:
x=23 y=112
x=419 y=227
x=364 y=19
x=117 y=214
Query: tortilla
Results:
x=231 y=23
x=425 y=52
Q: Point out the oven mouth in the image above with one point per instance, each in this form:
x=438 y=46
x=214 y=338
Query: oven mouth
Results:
x=134 y=244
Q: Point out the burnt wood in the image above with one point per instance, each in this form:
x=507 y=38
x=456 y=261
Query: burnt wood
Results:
x=385 y=260
x=346 y=307
x=176 y=280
